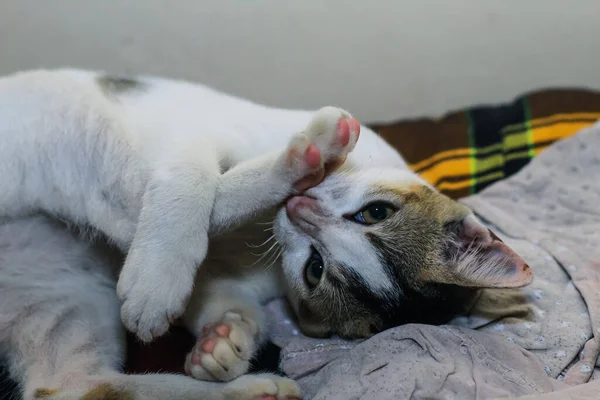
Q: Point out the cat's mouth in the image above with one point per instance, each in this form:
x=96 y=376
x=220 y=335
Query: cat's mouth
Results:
x=305 y=213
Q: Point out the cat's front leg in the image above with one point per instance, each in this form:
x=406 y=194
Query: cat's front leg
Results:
x=170 y=242
x=261 y=184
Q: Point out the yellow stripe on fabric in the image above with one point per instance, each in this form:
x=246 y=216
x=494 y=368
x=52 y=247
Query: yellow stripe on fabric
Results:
x=467 y=183
x=452 y=167
x=442 y=154
x=493 y=161
x=515 y=141
x=558 y=131
x=517 y=155
x=463 y=167
x=553 y=119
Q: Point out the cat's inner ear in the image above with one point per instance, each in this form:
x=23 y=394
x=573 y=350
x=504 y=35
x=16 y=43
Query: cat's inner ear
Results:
x=478 y=258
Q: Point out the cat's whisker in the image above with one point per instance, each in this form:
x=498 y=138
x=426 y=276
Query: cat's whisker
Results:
x=277 y=254
x=263 y=255
x=265 y=223
x=254 y=246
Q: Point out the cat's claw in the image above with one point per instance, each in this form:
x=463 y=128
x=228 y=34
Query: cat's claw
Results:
x=263 y=387
x=224 y=350
x=322 y=147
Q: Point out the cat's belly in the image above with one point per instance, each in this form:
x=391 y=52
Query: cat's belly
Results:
x=65 y=151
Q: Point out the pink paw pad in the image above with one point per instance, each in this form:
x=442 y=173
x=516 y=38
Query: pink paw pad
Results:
x=346 y=127
x=354 y=126
x=223 y=330
x=208 y=346
x=312 y=156
x=343 y=131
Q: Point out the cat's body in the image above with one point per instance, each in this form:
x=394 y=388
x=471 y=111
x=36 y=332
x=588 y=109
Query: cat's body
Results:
x=158 y=167
x=61 y=335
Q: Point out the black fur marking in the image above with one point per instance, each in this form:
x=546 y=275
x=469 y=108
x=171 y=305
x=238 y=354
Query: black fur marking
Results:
x=429 y=303
x=115 y=86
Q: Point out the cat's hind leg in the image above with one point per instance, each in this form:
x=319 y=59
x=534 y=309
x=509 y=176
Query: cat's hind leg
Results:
x=61 y=334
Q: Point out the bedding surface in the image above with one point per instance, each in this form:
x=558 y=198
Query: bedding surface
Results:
x=531 y=341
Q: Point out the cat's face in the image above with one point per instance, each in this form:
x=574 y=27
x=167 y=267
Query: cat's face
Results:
x=371 y=249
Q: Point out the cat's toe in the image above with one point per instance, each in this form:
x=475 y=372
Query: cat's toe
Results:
x=263 y=387
x=334 y=132
x=224 y=351
x=215 y=360
x=322 y=147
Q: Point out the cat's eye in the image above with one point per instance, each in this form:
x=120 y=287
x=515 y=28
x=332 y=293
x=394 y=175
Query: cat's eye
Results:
x=313 y=270
x=374 y=213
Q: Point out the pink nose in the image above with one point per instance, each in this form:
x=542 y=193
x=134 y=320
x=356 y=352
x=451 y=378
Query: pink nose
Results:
x=295 y=205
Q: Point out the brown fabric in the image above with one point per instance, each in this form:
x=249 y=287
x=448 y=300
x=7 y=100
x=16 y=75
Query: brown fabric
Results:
x=552 y=102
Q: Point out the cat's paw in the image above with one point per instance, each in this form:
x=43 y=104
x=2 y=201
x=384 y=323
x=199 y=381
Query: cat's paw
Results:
x=224 y=350
x=322 y=147
x=262 y=387
x=150 y=303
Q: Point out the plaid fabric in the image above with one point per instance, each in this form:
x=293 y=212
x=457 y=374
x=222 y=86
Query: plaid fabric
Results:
x=466 y=151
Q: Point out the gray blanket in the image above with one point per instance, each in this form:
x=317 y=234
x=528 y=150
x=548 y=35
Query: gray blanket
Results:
x=541 y=341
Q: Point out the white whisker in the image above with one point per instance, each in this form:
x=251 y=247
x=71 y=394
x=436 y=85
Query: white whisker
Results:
x=254 y=246
x=278 y=253
x=263 y=255
x=265 y=223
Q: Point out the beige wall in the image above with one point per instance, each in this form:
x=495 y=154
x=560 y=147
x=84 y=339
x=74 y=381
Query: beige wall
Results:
x=380 y=59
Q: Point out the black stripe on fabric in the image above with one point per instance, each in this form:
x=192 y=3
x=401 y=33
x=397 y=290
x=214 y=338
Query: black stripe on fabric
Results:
x=488 y=122
x=488 y=126
x=511 y=130
x=466 y=177
x=486 y=155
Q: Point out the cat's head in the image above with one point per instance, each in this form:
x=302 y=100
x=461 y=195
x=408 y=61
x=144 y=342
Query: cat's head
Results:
x=371 y=249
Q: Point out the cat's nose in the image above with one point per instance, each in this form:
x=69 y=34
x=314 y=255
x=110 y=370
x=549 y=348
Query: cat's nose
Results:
x=303 y=211
x=299 y=202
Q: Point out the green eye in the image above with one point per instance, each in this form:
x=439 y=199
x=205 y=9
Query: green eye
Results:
x=373 y=213
x=313 y=270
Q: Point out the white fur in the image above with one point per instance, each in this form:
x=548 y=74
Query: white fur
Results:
x=60 y=330
x=143 y=169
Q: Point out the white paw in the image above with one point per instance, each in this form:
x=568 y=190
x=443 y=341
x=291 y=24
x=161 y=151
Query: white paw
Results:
x=224 y=350
x=322 y=146
x=150 y=302
x=262 y=387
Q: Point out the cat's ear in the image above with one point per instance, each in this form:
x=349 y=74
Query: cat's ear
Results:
x=478 y=258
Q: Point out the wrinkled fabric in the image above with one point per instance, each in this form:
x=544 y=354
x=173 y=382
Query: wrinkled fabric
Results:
x=513 y=342
x=417 y=362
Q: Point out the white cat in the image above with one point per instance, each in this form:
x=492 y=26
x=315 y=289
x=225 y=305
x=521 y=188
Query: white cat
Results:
x=160 y=166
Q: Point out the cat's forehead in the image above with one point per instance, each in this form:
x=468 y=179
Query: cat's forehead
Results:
x=391 y=178
x=356 y=186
